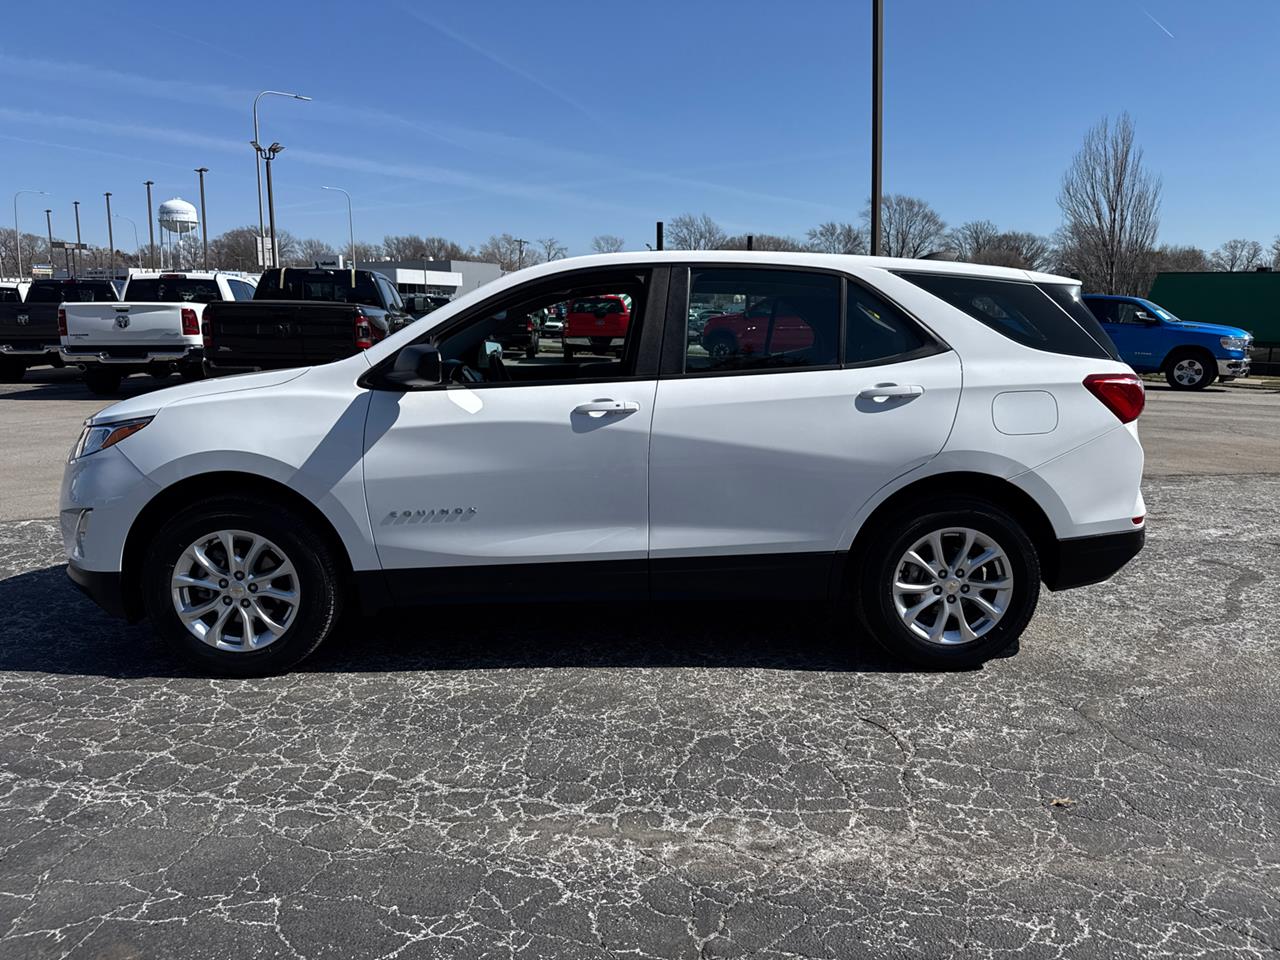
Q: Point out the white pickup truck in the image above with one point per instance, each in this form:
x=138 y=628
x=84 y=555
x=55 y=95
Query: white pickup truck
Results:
x=155 y=328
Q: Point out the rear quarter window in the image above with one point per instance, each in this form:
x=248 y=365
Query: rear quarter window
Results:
x=1042 y=316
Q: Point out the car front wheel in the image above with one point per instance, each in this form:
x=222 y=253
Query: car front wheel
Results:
x=1191 y=370
x=948 y=587
x=241 y=587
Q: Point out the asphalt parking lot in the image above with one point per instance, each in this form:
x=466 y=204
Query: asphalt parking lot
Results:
x=578 y=782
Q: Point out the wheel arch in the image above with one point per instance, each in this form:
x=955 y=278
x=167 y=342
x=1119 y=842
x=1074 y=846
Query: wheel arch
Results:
x=989 y=488
x=205 y=486
x=1188 y=348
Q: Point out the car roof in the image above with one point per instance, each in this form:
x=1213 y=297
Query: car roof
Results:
x=827 y=261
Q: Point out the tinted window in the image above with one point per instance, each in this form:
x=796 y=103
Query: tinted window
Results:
x=876 y=331
x=1103 y=310
x=162 y=290
x=240 y=290
x=77 y=291
x=332 y=286
x=763 y=320
x=1019 y=310
x=9 y=295
x=1067 y=296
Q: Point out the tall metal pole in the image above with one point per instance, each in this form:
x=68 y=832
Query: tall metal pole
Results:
x=877 y=118
x=520 y=261
x=151 y=227
x=48 y=219
x=271 y=212
x=257 y=151
x=351 y=234
x=17 y=233
x=204 y=223
x=658 y=236
x=111 y=239
x=76 y=204
x=137 y=247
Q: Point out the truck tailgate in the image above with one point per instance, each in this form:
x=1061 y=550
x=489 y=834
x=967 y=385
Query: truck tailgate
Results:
x=28 y=323
x=107 y=324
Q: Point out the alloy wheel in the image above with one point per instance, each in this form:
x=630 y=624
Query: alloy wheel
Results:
x=952 y=586
x=1188 y=371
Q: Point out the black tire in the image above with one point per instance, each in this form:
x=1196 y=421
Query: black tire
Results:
x=313 y=558
x=12 y=369
x=191 y=371
x=1181 y=363
x=568 y=352
x=103 y=383
x=876 y=569
x=720 y=346
x=163 y=372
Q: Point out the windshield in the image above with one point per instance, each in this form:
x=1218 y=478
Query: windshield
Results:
x=165 y=290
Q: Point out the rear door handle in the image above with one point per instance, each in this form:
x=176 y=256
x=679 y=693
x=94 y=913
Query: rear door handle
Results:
x=883 y=391
x=607 y=406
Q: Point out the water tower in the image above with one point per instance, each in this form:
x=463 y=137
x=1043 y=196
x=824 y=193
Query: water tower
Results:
x=177 y=217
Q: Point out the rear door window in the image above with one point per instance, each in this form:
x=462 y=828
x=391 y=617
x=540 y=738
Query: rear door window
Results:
x=878 y=332
x=1042 y=316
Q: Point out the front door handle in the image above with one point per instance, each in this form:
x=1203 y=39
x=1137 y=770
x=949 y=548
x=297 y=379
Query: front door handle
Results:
x=607 y=406
x=883 y=391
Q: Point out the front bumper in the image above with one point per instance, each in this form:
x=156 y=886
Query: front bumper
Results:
x=1233 y=368
x=105 y=588
x=1080 y=561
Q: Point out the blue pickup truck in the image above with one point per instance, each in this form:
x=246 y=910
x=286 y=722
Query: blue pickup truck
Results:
x=1152 y=340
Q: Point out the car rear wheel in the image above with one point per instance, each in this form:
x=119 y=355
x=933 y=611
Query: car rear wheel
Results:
x=191 y=371
x=104 y=383
x=721 y=345
x=241 y=587
x=12 y=369
x=1191 y=370
x=949 y=586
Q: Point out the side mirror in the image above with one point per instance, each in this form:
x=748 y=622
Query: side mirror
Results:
x=492 y=348
x=418 y=365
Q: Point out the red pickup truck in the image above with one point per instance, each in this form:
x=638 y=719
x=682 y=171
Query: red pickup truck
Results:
x=594 y=323
x=758 y=330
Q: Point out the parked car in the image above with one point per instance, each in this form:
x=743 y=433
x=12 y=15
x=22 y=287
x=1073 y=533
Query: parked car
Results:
x=13 y=291
x=420 y=304
x=595 y=323
x=760 y=329
x=155 y=329
x=299 y=317
x=30 y=330
x=865 y=472
x=1152 y=340
x=519 y=332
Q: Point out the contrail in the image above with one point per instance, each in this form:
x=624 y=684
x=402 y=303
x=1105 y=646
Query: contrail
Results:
x=1158 y=24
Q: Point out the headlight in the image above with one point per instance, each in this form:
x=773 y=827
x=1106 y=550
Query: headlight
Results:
x=99 y=436
x=1235 y=343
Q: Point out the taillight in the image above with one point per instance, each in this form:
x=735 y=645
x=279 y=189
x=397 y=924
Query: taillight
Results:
x=529 y=325
x=207 y=333
x=1121 y=393
x=62 y=322
x=190 y=325
x=364 y=332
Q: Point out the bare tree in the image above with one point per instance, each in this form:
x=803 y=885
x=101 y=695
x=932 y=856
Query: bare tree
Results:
x=832 y=237
x=969 y=240
x=236 y=249
x=763 y=241
x=551 y=249
x=1236 y=256
x=505 y=251
x=438 y=248
x=909 y=226
x=1111 y=208
x=408 y=246
x=694 y=232
x=607 y=243
x=1188 y=259
x=369 y=252
x=311 y=249
x=1275 y=253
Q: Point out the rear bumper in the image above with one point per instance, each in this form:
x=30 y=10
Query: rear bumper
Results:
x=88 y=355
x=104 y=588
x=28 y=349
x=1080 y=561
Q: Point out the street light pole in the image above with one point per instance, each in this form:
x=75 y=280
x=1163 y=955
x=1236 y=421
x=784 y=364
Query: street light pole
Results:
x=351 y=231
x=137 y=247
x=111 y=239
x=520 y=256
x=257 y=150
x=268 y=155
x=17 y=234
x=48 y=219
x=76 y=204
x=151 y=227
x=877 y=118
x=204 y=223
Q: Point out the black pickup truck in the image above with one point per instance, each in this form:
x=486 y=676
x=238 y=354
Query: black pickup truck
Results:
x=300 y=317
x=31 y=329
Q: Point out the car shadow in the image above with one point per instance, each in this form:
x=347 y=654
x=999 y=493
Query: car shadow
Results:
x=49 y=383
x=52 y=628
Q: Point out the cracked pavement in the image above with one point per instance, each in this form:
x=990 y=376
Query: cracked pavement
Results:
x=661 y=782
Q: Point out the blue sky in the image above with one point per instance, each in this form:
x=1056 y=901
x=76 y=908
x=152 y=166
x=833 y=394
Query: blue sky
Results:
x=570 y=119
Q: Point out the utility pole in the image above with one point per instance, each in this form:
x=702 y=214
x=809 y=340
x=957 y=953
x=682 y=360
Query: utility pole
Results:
x=520 y=256
x=259 y=154
x=151 y=227
x=204 y=223
x=268 y=155
x=76 y=204
x=111 y=240
x=658 y=236
x=877 y=118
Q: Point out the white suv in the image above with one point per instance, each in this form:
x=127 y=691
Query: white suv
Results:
x=921 y=442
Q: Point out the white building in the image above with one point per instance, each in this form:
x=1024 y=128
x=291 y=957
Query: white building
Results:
x=448 y=277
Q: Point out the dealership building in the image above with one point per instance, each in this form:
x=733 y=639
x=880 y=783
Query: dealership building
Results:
x=450 y=278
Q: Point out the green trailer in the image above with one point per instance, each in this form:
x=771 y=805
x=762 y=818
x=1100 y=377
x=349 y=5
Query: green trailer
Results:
x=1248 y=300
